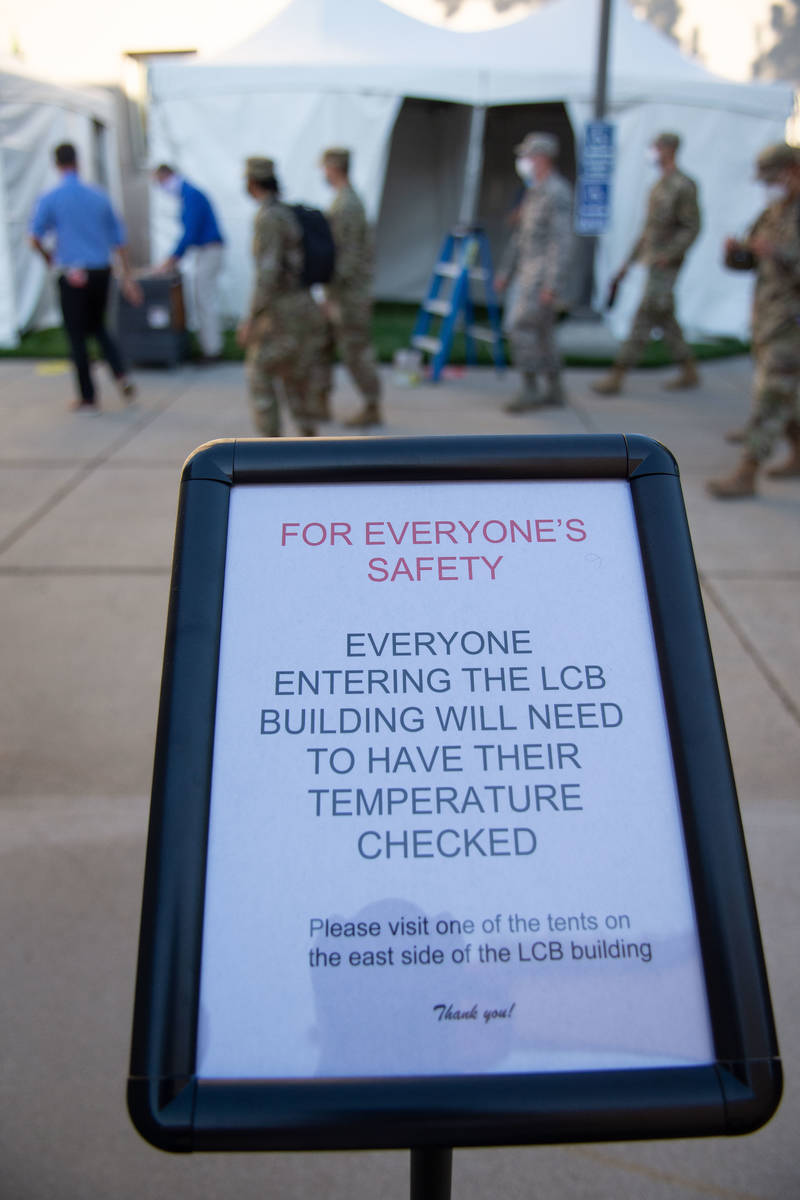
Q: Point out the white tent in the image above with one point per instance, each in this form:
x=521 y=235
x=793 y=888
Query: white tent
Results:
x=34 y=117
x=400 y=93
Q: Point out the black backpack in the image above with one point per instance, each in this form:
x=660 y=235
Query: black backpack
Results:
x=318 y=248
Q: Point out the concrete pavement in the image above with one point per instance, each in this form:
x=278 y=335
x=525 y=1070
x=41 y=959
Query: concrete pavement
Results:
x=86 y=523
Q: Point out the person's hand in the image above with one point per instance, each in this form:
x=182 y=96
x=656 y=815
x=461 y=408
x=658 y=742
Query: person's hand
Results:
x=500 y=282
x=167 y=267
x=132 y=292
x=547 y=297
x=243 y=331
x=732 y=244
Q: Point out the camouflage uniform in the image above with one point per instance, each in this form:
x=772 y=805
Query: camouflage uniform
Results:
x=538 y=255
x=776 y=325
x=671 y=225
x=350 y=292
x=287 y=333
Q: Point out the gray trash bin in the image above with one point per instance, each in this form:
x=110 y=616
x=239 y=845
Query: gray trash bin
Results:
x=154 y=332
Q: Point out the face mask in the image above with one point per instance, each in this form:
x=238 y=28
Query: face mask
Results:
x=524 y=168
x=651 y=157
x=774 y=192
x=171 y=186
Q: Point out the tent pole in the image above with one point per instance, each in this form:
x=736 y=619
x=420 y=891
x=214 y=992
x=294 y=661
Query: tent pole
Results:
x=600 y=103
x=472 y=167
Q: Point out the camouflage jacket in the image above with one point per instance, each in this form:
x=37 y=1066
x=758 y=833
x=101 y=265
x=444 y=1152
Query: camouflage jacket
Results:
x=541 y=245
x=672 y=222
x=277 y=255
x=776 y=301
x=355 y=255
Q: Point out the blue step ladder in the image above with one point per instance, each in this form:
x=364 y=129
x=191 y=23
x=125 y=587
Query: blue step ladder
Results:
x=465 y=259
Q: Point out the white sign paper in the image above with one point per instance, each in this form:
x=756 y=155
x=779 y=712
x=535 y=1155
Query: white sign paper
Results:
x=445 y=835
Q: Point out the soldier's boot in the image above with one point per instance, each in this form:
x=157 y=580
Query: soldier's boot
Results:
x=687 y=377
x=370 y=414
x=528 y=398
x=740 y=483
x=554 y=394
x=790 y=468
x=611 y=384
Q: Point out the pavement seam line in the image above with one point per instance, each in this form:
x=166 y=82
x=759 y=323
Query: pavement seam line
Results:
x=656 y=1174
x=86 y=470
x=750 y=648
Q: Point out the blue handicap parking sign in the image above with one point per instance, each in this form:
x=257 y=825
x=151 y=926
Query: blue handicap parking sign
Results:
x=595 y=172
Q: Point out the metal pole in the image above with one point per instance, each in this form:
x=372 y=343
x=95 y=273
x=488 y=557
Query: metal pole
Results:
x=472 y=167
x=431 y=1173
x=601 y=79
x=600 y=101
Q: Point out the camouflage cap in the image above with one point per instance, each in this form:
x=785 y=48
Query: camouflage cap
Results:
x=774 y=159
x=259 y=169
x=670 y=141
x=538 y=143
x=336 y=156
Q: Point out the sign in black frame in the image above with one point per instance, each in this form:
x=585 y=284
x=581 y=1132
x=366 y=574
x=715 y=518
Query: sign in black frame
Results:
x=176 y=1111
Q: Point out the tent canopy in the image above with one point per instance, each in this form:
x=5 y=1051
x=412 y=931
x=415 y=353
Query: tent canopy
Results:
x=34 y=117
x=325 y=72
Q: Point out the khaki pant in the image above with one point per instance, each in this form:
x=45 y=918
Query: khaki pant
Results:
x=207 y=268
x=656 y=311
x=283 y=358
x=775 y=392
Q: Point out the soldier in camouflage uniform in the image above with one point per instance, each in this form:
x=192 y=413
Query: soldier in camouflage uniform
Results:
x=671 y=225
x=284 y=334
x=772 y=250
x=538 y=255
x=349 y=294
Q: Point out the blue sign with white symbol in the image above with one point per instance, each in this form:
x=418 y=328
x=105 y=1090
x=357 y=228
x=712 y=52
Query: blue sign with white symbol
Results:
x=596 y=170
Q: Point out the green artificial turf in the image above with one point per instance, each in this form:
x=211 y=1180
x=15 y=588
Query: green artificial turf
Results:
x=392 y=325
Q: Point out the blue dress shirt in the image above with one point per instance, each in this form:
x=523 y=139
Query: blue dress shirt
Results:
x=200 y=226
x=86 y=227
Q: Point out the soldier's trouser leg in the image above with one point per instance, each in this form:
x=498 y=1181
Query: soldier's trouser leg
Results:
x=322 y=388
x=264 y=399
x=353 y=337
x=775 y=389
x=533 y=344
x=656 y=311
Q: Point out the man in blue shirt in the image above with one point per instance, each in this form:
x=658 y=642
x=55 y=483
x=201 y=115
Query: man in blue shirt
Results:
x=76 y=230
x=201 y=235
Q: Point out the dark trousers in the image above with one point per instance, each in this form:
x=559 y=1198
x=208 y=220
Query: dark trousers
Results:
x=84 y=310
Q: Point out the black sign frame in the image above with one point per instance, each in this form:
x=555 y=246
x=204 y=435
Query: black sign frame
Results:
x=176 y=1111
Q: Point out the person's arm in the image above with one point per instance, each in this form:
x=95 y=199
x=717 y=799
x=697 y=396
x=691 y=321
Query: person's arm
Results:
x=41 y=224
x=130 y=289
x=347 y=227
x=267 y=256
x=508 y=264
x=687 y=225
x=192 y=216
x=558 y=246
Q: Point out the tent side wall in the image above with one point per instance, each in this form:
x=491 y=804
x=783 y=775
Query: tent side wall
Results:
x=421 y=194
x=208 y=133
x=34 y=119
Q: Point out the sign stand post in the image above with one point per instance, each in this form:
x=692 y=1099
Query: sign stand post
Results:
x=431 y=1173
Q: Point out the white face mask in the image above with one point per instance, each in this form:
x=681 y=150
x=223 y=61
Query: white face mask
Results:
x=524 y=168
x=651 y=157
x=171 y=185
x=774 y=192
